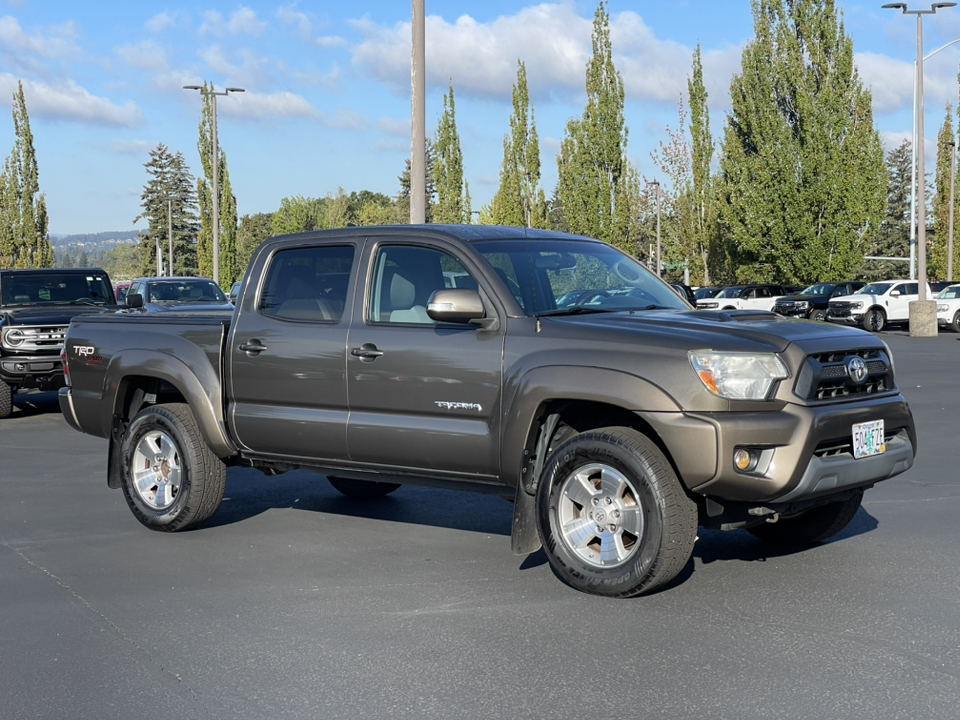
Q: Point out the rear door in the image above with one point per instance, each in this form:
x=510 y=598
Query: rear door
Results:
x=899 y=306
x=423 y=395
x=286 y=362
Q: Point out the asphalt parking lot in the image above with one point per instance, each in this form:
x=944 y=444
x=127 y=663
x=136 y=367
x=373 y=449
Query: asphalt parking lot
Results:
x=294 y=602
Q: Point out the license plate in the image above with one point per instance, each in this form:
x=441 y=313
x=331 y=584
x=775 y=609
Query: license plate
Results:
x=868 y=439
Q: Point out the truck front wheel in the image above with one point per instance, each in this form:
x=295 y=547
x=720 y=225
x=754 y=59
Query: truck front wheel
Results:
x=874 y=320
x=613 y=517
x=6 y=400
x=812 y=526
x=170 y=478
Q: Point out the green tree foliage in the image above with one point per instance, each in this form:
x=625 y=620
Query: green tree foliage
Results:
x=520 y=199
x=677 y=204
x=430 y=191
x=302 y=214
x=252 y=230
x=370 y=208
x=453 y=193
x=170 y=207
x=938 y=241
x=704 y=213
x=23 y=208
x=123 y=262
x=893 y=238
x=592 y=164
x=802 y=164
x=227 y=202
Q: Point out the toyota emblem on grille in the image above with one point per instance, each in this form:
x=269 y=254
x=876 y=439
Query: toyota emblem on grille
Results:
x=857 y=369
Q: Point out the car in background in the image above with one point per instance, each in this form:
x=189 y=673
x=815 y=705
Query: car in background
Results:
x=948 y=307
x=160 y=294
x=234 y=291
x=756 y=296
x=685 y=292
x=813 y=302
x=704 y=293
x=120 y=291
x=877 y=304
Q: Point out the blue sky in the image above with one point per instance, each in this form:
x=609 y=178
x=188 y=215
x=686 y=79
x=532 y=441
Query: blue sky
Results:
x=327 y=101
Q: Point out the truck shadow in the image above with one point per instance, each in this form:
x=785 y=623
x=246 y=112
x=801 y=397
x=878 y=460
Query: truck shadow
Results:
x=250 y=493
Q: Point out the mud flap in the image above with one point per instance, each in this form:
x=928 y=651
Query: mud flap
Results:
x=524 y=538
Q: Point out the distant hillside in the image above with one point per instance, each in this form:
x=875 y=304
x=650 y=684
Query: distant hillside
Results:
x=96 y=239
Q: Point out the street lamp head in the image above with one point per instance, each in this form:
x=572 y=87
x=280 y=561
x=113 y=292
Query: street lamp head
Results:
x=895 y=6
x=235 y=90
x=192 y=87
x=937 y=6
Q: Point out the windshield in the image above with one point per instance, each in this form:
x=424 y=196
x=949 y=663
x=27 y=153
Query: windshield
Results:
x=575 y=276
x=878 y=288
x=184 y=291
x=949 y=293
x=730 y=292
x=821 y=290
x=56 y=289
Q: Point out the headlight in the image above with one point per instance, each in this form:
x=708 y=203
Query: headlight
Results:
x=802 y=304
x=13 y=337
x=856 y=305
x=942 y=308
x=738 y=376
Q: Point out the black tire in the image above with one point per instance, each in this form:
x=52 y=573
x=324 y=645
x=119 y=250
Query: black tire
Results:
x=818 y=315
x=362 y=489
x=874 y=320
x=813 y=526
x=6 y=400
x=955 y=325
x=181 y=482
x=619 y=480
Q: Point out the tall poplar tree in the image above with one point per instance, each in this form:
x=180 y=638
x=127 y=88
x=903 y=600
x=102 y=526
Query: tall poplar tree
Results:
x=520 y=200
x=802 y=164
x=453 y=193
x=169 y=206
x=23 y=208
x=702 y=186
x=937 y=241
x=227 y=202
x=592 y=164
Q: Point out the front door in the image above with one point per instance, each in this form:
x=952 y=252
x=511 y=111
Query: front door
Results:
x=287 y=359
x=423 y=395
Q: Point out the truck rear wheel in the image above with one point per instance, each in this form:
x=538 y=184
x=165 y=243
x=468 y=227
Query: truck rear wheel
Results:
x=6 y=400
x=812 y=526
x=362 y=489
x=171 y=479
x=613 y=517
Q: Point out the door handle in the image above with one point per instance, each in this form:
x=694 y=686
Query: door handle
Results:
x=366 y=352
x=253 y=347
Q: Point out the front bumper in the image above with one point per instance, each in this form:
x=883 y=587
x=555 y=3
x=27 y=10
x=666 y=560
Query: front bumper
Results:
x=806 y=450
x=41 y=372
x=853 y=319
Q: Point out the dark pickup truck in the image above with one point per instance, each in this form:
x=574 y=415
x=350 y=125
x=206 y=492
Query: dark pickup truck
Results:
x=438 y=355
x=35 y=309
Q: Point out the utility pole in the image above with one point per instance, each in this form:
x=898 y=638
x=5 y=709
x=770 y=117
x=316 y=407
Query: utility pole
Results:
x=953 y=178
x=418 y=181
x=170 y=235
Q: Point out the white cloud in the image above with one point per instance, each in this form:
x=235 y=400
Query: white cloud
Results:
x=330 y=41
x=159 y=22
x=270 y=106
x=394 y=126
x=28 y=53
x=144 y=54
x=288 y=16
x=71 y=102
x=132 y=147
x=244 y=21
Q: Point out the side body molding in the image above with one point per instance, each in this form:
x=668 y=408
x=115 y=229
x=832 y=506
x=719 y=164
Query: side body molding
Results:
x=190 y=371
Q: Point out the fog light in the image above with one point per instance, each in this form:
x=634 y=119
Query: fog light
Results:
x=745 y=460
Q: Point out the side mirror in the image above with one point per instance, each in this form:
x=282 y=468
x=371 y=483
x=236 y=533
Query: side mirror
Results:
x=894 y=293
x=455 y=305
x=134 y=301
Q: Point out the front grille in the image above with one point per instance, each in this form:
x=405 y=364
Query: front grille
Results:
x=841 y=308
x=827 y=376
x=25 y=338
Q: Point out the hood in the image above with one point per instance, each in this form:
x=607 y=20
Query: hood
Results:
x=50 y=314
x=187 y=307
x=734 y=330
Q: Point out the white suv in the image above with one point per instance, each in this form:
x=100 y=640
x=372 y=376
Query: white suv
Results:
x=877 y=304
x=948 y=307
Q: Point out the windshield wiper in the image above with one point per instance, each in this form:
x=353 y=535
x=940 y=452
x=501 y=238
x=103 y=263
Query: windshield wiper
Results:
x=576 y=310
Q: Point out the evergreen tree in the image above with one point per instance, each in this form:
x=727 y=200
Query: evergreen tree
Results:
x=453 y=194
x=23 y=208
x=703 y=207
x=169 y=206
x=938 y=239
x=227 y=202
x=520 y=199
x=430 y=190
x=592 y=163
x=802 y=164
x=893 y=239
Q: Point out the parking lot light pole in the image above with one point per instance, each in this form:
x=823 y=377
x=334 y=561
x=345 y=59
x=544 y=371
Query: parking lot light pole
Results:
x=953 y=178
x=657 y=184
x=212 y=94
x=923 y=318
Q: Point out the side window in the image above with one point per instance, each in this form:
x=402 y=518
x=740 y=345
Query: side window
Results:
x=404 y=278
x=909 y=289
x=763 y=292
x=308 y=283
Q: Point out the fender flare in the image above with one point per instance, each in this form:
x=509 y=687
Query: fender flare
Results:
x=197 y=382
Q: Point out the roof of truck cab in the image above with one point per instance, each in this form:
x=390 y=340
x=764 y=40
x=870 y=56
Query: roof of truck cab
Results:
x=467 y=233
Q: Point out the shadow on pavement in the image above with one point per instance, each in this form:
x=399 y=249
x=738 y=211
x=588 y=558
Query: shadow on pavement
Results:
x=30 y=404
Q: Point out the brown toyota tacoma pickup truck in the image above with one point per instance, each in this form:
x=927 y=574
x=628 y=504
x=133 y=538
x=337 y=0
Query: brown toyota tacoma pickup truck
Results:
x=548 y=368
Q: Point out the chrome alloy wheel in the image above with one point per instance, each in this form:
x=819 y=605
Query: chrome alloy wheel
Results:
x=600 y=516
x=157 y=470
